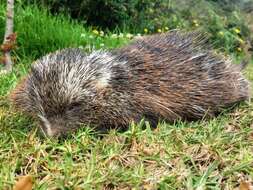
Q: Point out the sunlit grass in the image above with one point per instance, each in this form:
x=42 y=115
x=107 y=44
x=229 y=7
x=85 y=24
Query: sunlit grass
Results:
x=211 y=154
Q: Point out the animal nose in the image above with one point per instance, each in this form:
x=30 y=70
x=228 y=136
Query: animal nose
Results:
x=46 y=127
x=46 y=131
x=49 y=131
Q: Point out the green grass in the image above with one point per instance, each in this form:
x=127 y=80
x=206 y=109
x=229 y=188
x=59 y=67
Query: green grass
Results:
x=211 y=154
x=39 y=33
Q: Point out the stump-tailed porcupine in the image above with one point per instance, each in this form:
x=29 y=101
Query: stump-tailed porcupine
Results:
x=167 y=76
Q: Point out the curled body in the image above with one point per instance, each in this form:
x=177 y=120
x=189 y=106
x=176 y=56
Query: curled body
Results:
x=167 y=77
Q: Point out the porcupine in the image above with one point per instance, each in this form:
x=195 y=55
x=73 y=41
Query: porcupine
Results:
x=167 y=77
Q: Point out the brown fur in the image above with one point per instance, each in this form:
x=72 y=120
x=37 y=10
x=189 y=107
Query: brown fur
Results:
x=169 y=77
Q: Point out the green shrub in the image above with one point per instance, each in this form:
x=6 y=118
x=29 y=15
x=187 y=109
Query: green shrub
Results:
x=37 y=35
x=220 y=19
x=39 y=32
x=102 y=13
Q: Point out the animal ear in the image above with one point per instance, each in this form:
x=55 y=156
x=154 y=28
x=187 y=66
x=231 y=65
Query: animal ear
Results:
x=18 y=95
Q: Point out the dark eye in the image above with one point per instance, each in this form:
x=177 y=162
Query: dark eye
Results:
x=74 y=105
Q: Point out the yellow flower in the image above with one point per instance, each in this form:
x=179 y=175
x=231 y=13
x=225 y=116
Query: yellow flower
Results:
x=101 y=33
x=196 y=24
x=151 y=10
x=237 y=30
x=241 y=41
x=195 y=21
x=145 y=30
x=166 y=28
x=239 y=49
x=95 y=31
x=128 y=35
x=159 y=30
x=221 y=33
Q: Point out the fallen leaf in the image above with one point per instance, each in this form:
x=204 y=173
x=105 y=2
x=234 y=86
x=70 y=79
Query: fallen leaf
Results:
x=244 y=185
x=24 y=183
x=148 y=187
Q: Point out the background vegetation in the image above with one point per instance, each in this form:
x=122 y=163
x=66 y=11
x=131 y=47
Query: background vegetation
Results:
x=213 y=154
x=223 y=20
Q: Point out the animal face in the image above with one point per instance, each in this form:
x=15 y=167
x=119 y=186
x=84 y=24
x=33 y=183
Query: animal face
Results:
x=57 y=111
x=65 y=89
x=57 y=92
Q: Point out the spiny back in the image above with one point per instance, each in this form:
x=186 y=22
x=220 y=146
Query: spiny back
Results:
x=167 y=76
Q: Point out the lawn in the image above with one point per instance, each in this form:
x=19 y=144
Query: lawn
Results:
x=214 y=154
